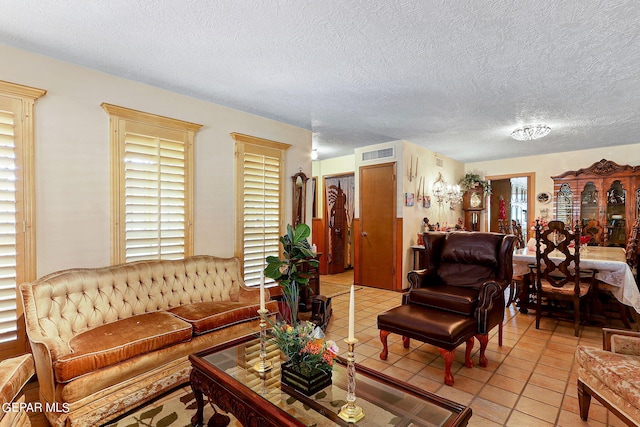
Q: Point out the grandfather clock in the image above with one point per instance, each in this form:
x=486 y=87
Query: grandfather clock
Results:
x=473 y=205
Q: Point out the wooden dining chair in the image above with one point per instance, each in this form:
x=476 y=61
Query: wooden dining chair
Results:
x=557 y=270
x=594 y=230
x=605 y=291
x=632 y=248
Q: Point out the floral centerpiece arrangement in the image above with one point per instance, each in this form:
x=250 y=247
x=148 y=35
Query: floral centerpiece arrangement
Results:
x=304 y=347
x=308 y=355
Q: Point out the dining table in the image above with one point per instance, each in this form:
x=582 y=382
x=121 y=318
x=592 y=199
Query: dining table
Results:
x=610 y=266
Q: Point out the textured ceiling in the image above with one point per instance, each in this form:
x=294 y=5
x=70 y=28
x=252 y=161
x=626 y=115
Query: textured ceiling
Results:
x=454 y=76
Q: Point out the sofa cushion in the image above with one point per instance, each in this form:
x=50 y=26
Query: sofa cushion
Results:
x=212 y=315
x=618 y=372
x=452 y=298
x=117 y=341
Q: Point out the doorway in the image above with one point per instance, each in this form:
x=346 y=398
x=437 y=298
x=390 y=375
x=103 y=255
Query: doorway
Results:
x=377 y=225
x=514 y=193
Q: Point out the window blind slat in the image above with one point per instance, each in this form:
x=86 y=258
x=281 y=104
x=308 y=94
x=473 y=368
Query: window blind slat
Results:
x=155 y=196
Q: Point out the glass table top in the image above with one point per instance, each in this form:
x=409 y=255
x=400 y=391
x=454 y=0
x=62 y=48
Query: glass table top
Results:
x=384 y=401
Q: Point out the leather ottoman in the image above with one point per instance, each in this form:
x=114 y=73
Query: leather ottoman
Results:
x=443 y=329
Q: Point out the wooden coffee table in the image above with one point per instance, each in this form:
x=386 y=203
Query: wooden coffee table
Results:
x=226 y=376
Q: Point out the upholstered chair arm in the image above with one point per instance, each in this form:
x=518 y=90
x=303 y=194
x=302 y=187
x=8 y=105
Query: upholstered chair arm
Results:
x=490 y=310
x=419 y=278
x=405 y=298
x=621 y=341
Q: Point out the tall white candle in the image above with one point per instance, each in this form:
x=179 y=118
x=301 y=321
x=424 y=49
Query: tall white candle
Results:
x=262 y=290
x=352 y=313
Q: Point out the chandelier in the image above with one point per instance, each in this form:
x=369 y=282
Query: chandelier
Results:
x=446 y=193
x=527 y=133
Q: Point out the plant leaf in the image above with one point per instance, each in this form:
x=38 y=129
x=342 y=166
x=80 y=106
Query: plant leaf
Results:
x=301 y=233
x=168 y=420
x=151 y=412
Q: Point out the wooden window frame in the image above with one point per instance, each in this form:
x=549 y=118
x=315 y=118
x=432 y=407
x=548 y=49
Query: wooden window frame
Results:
x=119 y=117
x=24 y=141
x=260 y=146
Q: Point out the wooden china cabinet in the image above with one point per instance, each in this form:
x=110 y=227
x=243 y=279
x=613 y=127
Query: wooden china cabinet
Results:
x=604 y=198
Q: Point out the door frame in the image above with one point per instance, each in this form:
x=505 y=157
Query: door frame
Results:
x=531 y=191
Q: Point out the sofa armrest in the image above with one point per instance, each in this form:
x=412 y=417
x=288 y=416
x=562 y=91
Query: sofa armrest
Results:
x=629 y=344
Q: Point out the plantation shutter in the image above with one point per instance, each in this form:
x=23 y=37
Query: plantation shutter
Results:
x=259 y=203
x=154 y=173
x=8 y=264
x=261 y=212
x=151 y=175
x=17 y=210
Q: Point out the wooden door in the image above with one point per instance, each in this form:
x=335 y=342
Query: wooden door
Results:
x=499 y=188
x=377 y=225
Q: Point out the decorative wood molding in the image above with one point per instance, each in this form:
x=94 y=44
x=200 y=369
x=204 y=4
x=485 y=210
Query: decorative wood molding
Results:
x=602 y=168
x=248 y=139
x=20 y=91
x=152 y=119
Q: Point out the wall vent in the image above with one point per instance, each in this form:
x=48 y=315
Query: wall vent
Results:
x=439 y=162
x=383 y=153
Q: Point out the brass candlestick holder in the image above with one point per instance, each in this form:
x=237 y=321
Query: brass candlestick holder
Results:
x=263 y=365
x=350 y=412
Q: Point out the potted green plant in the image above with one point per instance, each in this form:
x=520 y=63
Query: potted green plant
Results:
x=472 y=180
x=289 y=271
x=309 y=357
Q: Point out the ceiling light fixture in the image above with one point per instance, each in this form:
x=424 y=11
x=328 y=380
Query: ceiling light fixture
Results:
x=527 y=133
x=314 y=154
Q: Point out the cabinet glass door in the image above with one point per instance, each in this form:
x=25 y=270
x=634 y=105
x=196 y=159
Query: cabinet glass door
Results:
x=564 y=211
x=616 y=216
x=588 y=204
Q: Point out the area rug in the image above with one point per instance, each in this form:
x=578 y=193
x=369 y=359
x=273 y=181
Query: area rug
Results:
x=174 y=409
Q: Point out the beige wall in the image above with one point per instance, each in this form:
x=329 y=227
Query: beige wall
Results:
x=72 y=157
x=548 y=165
x=452 y=171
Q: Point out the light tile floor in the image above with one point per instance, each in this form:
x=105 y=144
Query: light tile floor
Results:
x=530 y=380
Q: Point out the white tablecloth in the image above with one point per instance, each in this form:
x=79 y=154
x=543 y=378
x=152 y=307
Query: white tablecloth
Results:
x=609 y=263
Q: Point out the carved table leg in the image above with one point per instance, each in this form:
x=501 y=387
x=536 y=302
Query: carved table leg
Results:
x=467 y=353
x=484 y=340
x=406 y=341
x=584 y=401
x=198 y=418
x=385 y=348
x=448 y=360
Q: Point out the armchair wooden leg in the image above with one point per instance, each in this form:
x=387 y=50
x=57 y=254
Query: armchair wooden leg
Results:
x=448 y=360
x=385 y=348
x=484 y=340
x=467 y=353
x=500 y=329
x=406 y=341
x=584 y=401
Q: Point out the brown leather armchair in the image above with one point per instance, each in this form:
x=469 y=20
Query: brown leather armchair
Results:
x=458 y=296
x=466 y=273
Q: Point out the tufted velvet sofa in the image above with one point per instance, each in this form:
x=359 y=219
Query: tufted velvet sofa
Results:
x=105 y=340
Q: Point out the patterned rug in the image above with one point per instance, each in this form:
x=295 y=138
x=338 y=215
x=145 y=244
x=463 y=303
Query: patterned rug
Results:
x=174 y=409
